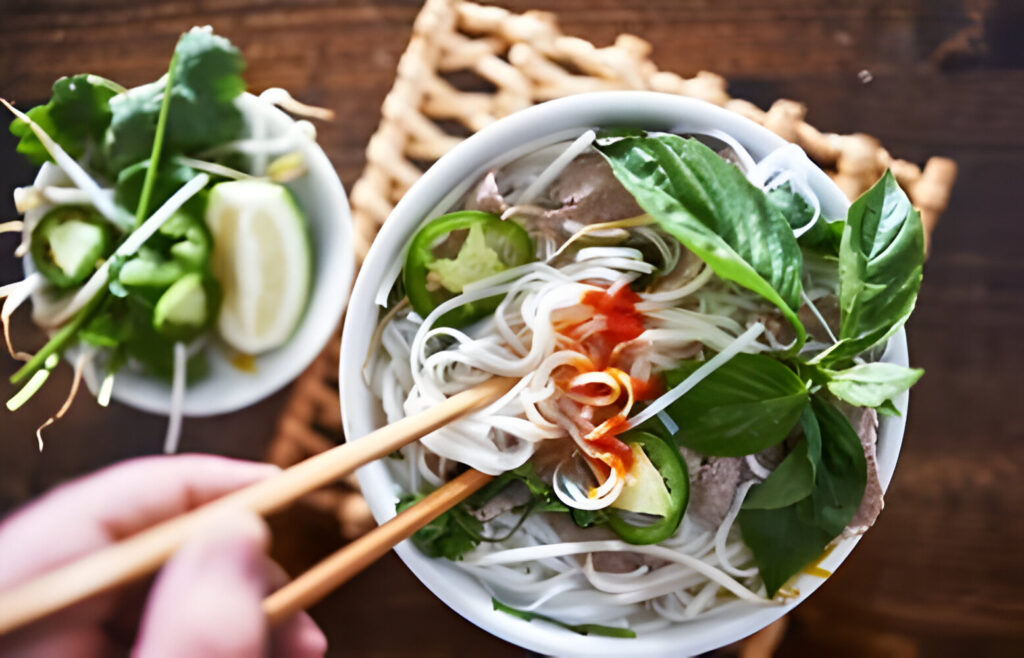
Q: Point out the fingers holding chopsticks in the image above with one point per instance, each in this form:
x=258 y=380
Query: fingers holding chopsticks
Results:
x=207 y=599
x=214 y=568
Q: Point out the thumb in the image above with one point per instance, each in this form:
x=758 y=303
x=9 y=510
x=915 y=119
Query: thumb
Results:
x=207 y=601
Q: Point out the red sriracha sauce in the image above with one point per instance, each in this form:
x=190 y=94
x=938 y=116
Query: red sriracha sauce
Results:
x=620 y=322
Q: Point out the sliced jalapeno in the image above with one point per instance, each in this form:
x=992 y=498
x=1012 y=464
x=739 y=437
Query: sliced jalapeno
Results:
x=457 y=249
x=69 y=243
x=669 y=463
x=187 y=308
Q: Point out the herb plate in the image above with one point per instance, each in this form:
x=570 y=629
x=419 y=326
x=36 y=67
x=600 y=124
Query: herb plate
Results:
x=494 y=146
x=233 y=383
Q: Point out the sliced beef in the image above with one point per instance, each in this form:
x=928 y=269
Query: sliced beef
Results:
x=588 y=193
x=713 y=486
x=865 y=423
x=486 y=196
x=511 y=497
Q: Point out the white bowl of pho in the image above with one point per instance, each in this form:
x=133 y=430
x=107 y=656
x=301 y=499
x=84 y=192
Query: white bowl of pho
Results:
x=713 y=371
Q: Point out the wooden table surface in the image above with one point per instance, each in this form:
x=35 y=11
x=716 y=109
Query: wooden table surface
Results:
x=940 y=574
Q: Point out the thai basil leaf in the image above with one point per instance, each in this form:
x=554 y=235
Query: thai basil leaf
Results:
x=823 y=238
x=782 y=542
x=711 y=208
x=888 y=408
x=743 y=407
x=871 y=384
x=842 y=476
x=793 y=479
x=582 y=629
x=77 y=114
x=785 y=539
x=880 y=263
x=207 y=79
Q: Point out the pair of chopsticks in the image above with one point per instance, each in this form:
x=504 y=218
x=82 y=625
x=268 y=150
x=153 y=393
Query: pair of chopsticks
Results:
x=144 y=553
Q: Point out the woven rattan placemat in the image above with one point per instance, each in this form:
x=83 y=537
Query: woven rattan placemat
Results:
x=468 y=65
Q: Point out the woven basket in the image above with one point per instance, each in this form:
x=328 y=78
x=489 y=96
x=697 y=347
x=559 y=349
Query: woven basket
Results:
x=468 y=65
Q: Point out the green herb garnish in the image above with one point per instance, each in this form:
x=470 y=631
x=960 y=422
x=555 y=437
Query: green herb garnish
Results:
x=582 y=629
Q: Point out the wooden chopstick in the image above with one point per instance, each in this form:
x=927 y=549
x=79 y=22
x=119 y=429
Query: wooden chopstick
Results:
x=336 y=569
x=143 y=553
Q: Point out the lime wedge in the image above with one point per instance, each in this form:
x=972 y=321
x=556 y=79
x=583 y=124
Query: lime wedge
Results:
x=262 y=258
x=645 y=491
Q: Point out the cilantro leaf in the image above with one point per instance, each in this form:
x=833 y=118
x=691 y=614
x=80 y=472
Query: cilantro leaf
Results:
x=207 y=79
x=544 y=498
x=76 y=116
x=451 y=535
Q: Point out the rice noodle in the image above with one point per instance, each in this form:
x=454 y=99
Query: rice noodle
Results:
x=549 y=174
x=748 y=337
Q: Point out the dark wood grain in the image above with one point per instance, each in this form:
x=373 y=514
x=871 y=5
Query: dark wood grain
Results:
x=940 y=574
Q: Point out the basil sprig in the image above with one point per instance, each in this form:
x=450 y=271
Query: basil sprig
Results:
x=755 y=401
x=880 y=263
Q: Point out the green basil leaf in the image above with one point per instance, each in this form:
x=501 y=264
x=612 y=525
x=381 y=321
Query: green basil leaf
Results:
x=743 y=407
x=842 y=475
x=793 y=479
x=207 y=79
x=782 y=542
x=76 y=115
x=880 y=263
x=871 y=384
x=823 y=238
x=582 y=629
x=711 y=208
x=785 y=539
x=887 y=408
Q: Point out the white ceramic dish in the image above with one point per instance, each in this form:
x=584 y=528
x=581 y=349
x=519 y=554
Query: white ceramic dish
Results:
x=433 y=194
x=227 y=388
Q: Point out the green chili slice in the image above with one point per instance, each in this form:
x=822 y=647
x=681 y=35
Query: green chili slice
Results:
x=457 y=249
x=666 y=458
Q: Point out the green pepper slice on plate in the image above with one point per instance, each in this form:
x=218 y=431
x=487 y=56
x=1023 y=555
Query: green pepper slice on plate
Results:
x=455 y=250
x=69 y=243
x=669 y=464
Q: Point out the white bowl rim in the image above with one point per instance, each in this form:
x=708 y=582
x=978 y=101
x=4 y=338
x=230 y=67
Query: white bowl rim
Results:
x=227 y=389
x=496 y=144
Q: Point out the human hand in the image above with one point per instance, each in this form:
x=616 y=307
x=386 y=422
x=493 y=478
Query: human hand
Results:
x=205 y=602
